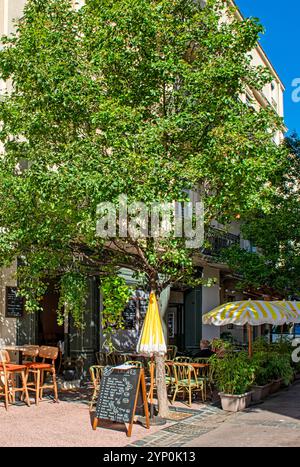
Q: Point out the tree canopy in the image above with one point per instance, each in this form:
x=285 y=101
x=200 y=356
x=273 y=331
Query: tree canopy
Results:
x=125 y=97
x=275 y=231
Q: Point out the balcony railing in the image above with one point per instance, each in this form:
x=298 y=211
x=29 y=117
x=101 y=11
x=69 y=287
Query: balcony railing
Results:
x=216 y=240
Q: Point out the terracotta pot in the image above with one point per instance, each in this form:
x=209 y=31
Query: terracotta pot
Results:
x=275 y=386
x=260 y=392
x=235 y=403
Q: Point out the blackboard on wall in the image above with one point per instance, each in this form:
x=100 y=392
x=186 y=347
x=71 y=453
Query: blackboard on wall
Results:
x=122 y=395
x=135 y=310
x=14 y=305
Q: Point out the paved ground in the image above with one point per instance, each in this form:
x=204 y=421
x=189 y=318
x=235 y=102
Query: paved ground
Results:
x=67 y=423
x=276 y=422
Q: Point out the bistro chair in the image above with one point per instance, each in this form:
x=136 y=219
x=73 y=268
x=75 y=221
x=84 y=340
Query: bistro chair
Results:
x=205 y=373
x=111 y=359
x=201 y=360
x=136 y=363
x=4 y=378
x=170 y=378
x=38 y=370
x=182 y=359
x=171 y=352
x=101 y=358
x=10 y=373
x=186 y=381
x=30 y=353
x=96 y=372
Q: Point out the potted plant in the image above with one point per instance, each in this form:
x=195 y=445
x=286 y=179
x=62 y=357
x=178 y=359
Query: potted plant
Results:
x=262 y=375
x=220 y=346
x=233 y=374
x=280 y=370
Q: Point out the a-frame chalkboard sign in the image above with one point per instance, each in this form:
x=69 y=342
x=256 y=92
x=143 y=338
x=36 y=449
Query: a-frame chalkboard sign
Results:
x=122 y=395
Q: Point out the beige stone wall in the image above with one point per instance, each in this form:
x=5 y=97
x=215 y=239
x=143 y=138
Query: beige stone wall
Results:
x=8 y=326
x=210 y=299
x=10 y=10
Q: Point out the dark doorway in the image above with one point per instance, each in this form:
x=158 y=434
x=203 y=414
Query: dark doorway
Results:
x=175 y=323
x=49 y=332
x=193 y=318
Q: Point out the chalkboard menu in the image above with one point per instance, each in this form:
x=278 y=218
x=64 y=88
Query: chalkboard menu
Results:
x=136 y=309
x=14 y=303
x=130 y=314
x=122 y=395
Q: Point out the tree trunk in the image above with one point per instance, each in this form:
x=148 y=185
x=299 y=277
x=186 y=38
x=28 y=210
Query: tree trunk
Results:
x=163 y=404
x=162 y=396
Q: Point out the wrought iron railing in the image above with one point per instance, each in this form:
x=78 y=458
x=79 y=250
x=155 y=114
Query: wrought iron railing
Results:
x=216 y=240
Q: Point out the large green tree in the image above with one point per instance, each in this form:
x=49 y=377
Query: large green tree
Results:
x=275 y=231
x=135 y=97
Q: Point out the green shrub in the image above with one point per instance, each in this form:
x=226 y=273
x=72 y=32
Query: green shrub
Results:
x=279 y=366
x=283 y=346
x=261 y=368
x=261 y=344
x=234 y=373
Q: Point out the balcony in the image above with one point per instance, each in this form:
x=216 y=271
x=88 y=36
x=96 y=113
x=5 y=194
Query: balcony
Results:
x=216 y=240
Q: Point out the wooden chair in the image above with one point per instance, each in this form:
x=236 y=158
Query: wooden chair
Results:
x=101 y=358
x=171 y=352
x=38 y=369
x=29 y=355
x=170 y=378
x=201 y=360
x=96 y=372
x=186 y=381
x=10 y=373
x=182 y=359
x=205 y=373
x=4 y=357
x=111 y=359
x=134 y=363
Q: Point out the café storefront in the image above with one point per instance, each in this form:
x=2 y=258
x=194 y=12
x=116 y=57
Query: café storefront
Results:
x=181 y=310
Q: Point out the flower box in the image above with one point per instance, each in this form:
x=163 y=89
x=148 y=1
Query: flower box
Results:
x=235 y=403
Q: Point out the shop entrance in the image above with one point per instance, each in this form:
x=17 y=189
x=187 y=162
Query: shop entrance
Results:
x=175 y=323
x=49 y=332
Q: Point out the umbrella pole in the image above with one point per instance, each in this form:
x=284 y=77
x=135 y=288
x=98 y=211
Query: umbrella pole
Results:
x=151 y=386
x=250 y=351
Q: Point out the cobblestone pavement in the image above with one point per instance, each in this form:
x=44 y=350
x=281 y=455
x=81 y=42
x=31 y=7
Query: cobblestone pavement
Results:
x=276 y=422
x=178 y=434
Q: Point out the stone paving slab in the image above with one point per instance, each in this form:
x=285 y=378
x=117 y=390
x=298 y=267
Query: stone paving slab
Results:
x=178 y=434
x=275 y=422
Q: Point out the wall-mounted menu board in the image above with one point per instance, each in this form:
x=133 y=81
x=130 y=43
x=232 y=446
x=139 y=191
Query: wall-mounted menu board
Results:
x=14 y=305
x=122 y=395
x=135 y=311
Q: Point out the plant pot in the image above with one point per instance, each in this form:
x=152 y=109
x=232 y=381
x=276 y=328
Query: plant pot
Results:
x=235 y=403
x=260 y=392
x=275 y=386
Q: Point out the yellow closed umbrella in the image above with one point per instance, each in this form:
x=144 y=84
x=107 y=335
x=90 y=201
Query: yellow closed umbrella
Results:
x=152 y=340
x=250 y=312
